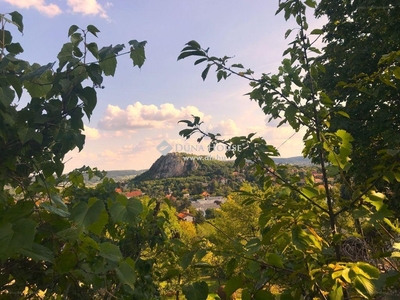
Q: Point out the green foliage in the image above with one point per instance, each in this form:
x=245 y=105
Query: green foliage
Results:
x=59 y=238
x=303 y=229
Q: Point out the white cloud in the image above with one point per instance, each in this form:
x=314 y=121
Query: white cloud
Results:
x=88 y=7
x=227 y=128
x=138 y=115
x=85 y=7
x=91 y=133
x=49 y=10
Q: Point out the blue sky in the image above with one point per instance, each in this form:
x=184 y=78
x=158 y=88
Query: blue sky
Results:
x=138 y=109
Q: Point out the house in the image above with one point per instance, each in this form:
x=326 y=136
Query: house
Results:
x=170 y=197
x=205 y=194
x=132 y=194
x=186 y=216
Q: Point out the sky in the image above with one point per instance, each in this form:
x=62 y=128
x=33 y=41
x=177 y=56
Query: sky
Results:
x=140 y=108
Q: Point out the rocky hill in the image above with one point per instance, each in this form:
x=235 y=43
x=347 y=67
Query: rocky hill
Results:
x=178 y=165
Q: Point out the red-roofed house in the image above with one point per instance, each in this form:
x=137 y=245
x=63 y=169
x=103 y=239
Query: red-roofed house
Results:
x=205 y=194
x=132 y=194
x=184 y=216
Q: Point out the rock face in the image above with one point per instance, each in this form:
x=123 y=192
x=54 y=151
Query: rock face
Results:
x=170 y=165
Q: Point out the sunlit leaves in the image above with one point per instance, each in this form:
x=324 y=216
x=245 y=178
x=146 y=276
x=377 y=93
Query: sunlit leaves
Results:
x=361 y=275
x=303 y=240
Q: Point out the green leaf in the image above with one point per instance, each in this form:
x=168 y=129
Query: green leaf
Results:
x=72 y=30
x=311 y=3
x=344 y=114
x=396 y=72
x=76 y=38
x=264 y=295
x=18 y=210
x=191 y=53
x=7 y=96
x=196 y=291
x=95 y=73
x=17 y=18
x=87 y=213
x=325 y=99
x=125 y=210
x=171 y=273
x=233 y=284
x=193 y=44
x=110 y=251
x=199 y=61
x=274 y=259
x=366 y=270
x=364 y=286
x=309 y=192
x=65 y=54
x=336 y=292
x=89 y=98
x=93 y=30
x=98 y=226
x=108 y=65
x=92 y=47
x=38 y=72
x=317 y=31
x=70 y=234
x=5 y=38
x=55 y=210
x=304 y=241
x=14 y=48
x=16 y=236
x=205 y=72
x=137 y=52
x=39 y=253
x=287 y=33
x=126 y=272
x=66 y=261
x=16 y=84
x=240 y=66
x=186 y=259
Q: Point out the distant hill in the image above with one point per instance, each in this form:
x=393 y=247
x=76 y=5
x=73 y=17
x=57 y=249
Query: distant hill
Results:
x=118 y=175
x=296 y=160
x=182 y=165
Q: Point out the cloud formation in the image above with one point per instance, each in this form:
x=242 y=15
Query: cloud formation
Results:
x=88 y=7
x=138 y=116
x=91 y=133
x=226 y=128
x=49 y=10
x=85 y=7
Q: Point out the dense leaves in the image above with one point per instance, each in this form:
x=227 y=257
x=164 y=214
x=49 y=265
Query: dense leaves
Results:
x=59 y=238
x=304 y=224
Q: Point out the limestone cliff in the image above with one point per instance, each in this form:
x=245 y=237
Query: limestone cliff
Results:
x=170 y=165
